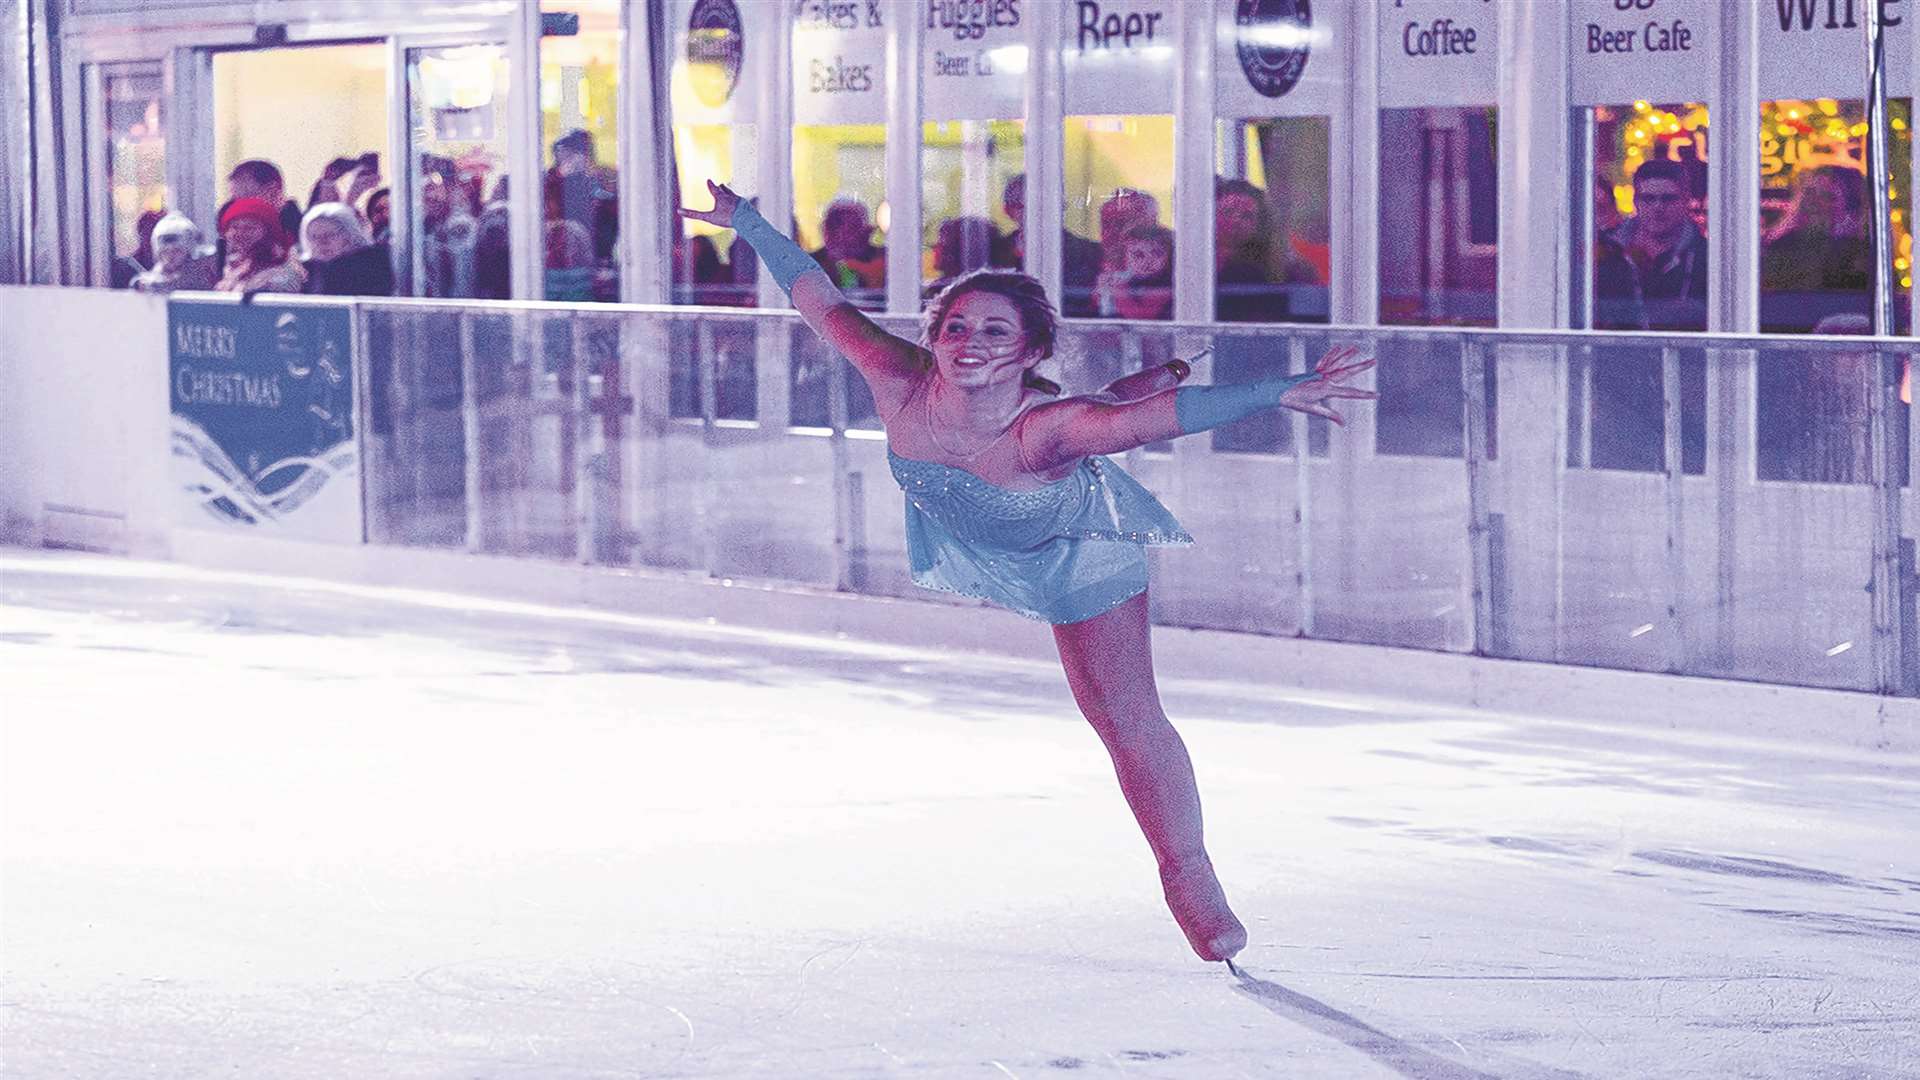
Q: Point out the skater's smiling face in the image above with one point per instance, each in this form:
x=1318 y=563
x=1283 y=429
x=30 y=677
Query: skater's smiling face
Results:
x=981 y=340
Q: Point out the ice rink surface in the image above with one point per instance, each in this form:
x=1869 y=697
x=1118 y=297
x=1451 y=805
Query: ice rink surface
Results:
x=286 y=830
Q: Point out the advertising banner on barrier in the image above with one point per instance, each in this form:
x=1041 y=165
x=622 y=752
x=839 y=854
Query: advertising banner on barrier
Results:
x=263 y=418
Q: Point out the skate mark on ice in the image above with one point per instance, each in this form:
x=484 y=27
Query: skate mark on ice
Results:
x=1741 y=866
x=1388 y=1050
x=847 y=950
x=1436 y=759
x=1838 y=923
x=550 y=998
x=1066 y=1063
x=1150 y=1055
x=1420 y=976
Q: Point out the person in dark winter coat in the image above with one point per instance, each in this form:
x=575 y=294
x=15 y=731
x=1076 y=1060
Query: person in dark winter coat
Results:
x=341 y=259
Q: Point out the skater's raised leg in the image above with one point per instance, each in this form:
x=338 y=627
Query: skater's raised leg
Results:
x=1109 y=665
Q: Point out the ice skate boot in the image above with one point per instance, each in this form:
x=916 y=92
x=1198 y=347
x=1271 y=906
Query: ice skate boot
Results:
x=1200 y=907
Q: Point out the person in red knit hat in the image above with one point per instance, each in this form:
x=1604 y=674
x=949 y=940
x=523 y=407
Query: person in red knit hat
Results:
x=258 y=257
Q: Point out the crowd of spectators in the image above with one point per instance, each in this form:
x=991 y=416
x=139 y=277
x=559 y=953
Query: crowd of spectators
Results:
x=340 y=244
x=1126 y=273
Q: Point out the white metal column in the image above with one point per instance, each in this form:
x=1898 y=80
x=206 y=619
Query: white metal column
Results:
x=1736 y=273
x=775 y=109
x=1193 y=122
x=646 y=134
x=1359 y=302
x=1533 y=283
x=903 y=154
x=1046 y=85
x=524 y=205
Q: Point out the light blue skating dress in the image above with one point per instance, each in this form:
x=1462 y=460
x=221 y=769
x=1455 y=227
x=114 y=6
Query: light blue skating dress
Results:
x=1062 y=554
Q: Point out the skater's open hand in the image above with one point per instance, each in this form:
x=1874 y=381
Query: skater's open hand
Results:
x=724 y=200
x=1329 y=381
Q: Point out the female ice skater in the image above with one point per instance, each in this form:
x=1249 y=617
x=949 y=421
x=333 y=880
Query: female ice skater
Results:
x=1009 y=499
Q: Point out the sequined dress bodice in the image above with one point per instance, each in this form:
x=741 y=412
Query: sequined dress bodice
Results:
x=1060 y=553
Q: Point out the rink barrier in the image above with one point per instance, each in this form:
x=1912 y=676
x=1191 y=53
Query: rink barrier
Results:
x=1512 y=495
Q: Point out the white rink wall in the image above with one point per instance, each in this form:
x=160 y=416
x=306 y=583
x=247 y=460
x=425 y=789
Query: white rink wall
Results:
x=83 y=420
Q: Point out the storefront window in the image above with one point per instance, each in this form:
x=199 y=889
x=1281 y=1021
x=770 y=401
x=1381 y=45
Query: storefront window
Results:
x=1816 y=254
x=1272 y=254
x=579 y=117
x=1648 y=270
x=461 y=221
x=1118 y=249
x=1119 y=62
x=973 y=198
x=709 y=265
x=839 y=205
x=973 y=147
x=715 y=139
x=1439 y=217
x=1816 y=276
x=318 y=115
x=1439 y=244
x=839 y=163
x=136 y=137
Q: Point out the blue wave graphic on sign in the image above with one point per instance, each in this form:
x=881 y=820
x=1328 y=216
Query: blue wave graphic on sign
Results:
x=227 y=493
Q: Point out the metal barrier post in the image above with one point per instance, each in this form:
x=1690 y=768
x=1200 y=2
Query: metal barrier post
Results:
x=1473 y=375
x=1910 y=604
x=585 y=490
x=1676 y=649
x=842 y=466
x=1302 y=492
x=470 y=434
x=1729 y=374
x=709 y=373
x=363 y=416
x=1889 y=587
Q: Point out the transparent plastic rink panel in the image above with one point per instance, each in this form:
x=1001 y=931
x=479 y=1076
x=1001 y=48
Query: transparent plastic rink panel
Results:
x=1699 y=504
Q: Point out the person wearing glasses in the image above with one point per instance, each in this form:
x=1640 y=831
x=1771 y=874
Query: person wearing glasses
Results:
x=1652 y=267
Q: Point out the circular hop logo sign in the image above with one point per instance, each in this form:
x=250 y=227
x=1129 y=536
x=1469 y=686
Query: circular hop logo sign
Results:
x=1273 y=39
x=714 y=47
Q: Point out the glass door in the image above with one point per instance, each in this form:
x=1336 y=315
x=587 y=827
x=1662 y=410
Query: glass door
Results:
x=126 y=183
x=455 y=173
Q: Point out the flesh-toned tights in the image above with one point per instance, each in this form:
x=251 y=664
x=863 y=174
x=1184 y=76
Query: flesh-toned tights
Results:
x=1109 y=665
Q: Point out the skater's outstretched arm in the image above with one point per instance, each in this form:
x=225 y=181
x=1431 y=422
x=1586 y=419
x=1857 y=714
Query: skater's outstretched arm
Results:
x=1066 y=431
x=890 y=364
x=1145 y=383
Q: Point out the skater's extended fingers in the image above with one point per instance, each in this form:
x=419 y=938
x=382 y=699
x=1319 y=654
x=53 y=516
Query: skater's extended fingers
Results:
x=1349 y=371
x=1335 y=357
x=1318 y=409
x=1353 y=392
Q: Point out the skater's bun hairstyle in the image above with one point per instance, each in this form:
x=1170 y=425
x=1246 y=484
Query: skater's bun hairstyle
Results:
x=1037 y=318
